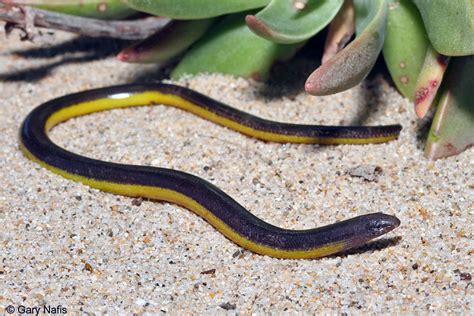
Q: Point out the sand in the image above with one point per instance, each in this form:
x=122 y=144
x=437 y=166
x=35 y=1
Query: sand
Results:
x=63 y=243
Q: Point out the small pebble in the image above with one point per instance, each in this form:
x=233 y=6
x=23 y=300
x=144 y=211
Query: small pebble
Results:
x=210 y=271
x=228 y=306
x=367 y=172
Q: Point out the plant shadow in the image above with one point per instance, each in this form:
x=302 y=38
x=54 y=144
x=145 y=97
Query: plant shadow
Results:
x=287 y=78
x=80 y=49
x=423 y=128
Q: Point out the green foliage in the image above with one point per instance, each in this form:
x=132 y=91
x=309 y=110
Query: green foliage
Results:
x=452 y=130
x=353 y=63
x=429 y=80
x=167 y=43
x=106 y=9
x=405 y=45
x=231 y=48
x=285 y=22
x=194 y=9
x=450 y=25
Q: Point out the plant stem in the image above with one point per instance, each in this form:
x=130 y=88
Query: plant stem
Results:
x=129 y=30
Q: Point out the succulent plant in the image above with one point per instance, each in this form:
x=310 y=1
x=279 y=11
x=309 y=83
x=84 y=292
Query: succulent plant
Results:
x=420 y=41
x=107 y=10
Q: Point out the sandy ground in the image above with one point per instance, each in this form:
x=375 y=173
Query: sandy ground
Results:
x=63 y=243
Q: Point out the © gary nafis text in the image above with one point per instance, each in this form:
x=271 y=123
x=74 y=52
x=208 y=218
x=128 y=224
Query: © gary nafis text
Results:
x=46 y=309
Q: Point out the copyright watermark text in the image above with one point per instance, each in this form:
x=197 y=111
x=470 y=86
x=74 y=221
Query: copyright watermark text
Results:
x=36 y=310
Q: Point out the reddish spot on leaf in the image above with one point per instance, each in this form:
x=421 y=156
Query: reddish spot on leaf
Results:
x=102 y=7
x=258 y=26
x=450 y=149
x=129 y=54
x=123 y=56
x=420 y=95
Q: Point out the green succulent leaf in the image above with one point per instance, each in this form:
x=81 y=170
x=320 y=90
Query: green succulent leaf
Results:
x=194 y=9
x=452 y=130
x=450 y=25
x=429 y=80
x=352 y=64
x=167 y=43
x=287 y=21
x=231 y=48
x=105 y=9
x=341 y=29
x=405 y=45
